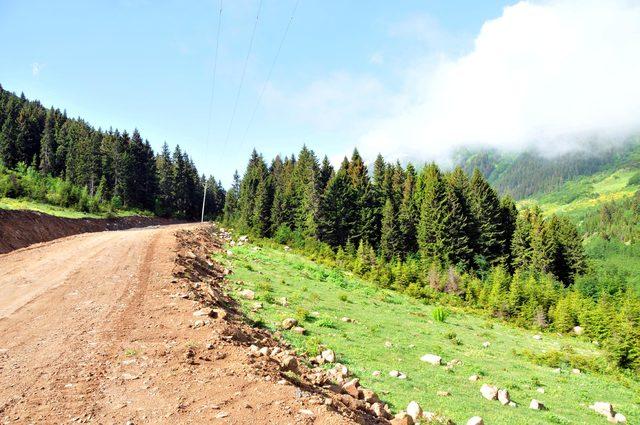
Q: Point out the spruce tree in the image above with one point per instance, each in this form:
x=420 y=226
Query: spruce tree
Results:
x=336 y=215
x=485 y=207
x=47 y=145
x=391 y=238
x=408 y=214
x=432 y=212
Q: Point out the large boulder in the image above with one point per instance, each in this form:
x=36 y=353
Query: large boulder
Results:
x=432 y=359
x=489 y=392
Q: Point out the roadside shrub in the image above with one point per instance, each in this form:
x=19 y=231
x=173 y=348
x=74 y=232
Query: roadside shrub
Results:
x=326 y=323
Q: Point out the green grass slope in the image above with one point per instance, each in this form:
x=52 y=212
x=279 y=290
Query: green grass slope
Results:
x=54 y=210
x=321 y=296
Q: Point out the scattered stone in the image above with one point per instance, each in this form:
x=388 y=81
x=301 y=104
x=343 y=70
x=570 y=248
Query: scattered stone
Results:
x=556 y=370
x=402 y=376
x=489 y=392
x=299 y=330
x=204 y=312
x=248 y=294
x=414 y=410
x=503 y=397
x=287 y=248
x=256 y=306
x=485 y=344
x=347 y=319
x=576 y=371
x=474 y=378
x=443 y=393
x=620 y=418
x=376 y=373
x=369 y=396
x=454 y=362
x=290 y=363
x=537 y=337
x=289 y=323
x=536 y=405
x=432 y=359
x=603 y=408
x=351 y=388
x=129 y=376
x=307 y=412
x=275 y=351
x=476 y=420
x=578 y=330
x=388 y=344
x=284 y=302
x=229 y=253
x=378 y=409
x=264 y=351
x=402 y=418
x=394 y=374
x=329 y=356
x=513 y=404
x=222 y=415
x=540 y=390
x=209 y=346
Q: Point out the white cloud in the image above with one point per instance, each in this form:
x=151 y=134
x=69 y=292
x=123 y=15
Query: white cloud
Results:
x=36 y=68
x=544 y=74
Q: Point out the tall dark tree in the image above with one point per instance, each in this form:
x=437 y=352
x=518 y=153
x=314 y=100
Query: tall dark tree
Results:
x=485 y=206
x=48 y=145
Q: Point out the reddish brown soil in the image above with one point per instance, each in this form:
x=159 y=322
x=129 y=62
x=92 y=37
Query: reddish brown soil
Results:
x=19 y=229
x=99 y=328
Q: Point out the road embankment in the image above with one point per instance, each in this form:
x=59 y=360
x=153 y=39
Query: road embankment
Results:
x=21 y=228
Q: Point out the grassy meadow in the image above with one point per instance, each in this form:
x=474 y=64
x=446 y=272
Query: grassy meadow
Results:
x=319 y=296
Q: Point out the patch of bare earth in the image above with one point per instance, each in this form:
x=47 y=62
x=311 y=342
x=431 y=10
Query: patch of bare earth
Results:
x=134 y=326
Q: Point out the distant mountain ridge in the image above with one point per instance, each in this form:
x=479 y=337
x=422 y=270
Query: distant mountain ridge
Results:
x=530 y=173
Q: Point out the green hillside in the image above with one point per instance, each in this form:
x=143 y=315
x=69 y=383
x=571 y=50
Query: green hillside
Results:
x=531 y=174
x=391 y=331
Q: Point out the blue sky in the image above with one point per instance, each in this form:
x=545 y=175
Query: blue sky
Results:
x=412 y=79
x=148 y=65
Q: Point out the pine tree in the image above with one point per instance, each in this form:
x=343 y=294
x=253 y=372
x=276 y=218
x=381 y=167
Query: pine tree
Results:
x=407 y=215
x=485 y=206
x=326 y=172
x=166 y=182
x=391 y=238
x=336 y=215
x=47 y=145
x=231 y=207
x=521 y=242
x=432 y=211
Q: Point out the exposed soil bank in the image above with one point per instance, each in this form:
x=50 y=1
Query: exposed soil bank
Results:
x=20 y=228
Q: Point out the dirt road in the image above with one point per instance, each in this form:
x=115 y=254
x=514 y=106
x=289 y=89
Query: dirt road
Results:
x=91 y=330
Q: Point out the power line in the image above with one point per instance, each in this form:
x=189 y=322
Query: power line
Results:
x=213 y=89
x=244 y=69
x=273 y=64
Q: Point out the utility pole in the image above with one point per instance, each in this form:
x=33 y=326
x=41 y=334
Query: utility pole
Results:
x=204 y=198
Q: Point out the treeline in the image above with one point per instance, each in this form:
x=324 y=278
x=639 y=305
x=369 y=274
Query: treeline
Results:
x=398 y=213
x=438 y=236
x=67 y=162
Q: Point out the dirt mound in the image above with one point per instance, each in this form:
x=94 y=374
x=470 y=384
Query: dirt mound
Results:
x=20 y=228
x=202 y=280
